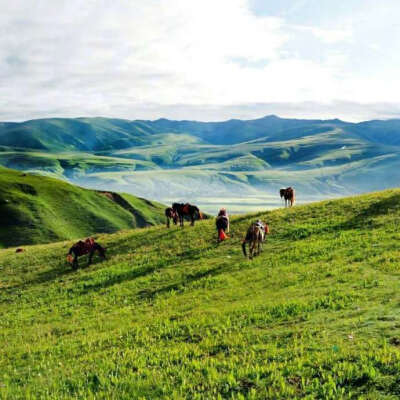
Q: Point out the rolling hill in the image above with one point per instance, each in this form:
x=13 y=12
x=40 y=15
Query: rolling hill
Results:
x=171 y=314
x=37 y=209
x=241 y=163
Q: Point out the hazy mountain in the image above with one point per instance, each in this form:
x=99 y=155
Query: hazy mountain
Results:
x=166 y=159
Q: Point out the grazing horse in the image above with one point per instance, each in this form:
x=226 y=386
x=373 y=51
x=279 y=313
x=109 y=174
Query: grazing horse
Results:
x=255 y=236
x=187 y=209
x=89 y=246
x=171 y=214
x=288 y=195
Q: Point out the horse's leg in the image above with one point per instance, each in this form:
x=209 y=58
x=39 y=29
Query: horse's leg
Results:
x=168 y=222
x=251 y=248
x=181 y=219
x=244 y=248
x=192 y=219
x=75 y=264
x=90 y=257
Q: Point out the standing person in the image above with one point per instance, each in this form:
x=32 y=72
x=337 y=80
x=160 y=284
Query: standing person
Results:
x=222 y=224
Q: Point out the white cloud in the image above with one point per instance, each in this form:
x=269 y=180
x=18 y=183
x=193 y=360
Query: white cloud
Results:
x=114 y=58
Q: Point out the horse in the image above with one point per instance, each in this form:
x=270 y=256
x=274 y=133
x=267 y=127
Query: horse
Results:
x=187 y=209
x=89 y=246
x=255 y=236
x=171 y=214
x=288 y=195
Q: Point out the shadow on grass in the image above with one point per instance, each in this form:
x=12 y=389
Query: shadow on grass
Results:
x=190 y=254
x=149 y=294
x=117 y=279
x=364 y=218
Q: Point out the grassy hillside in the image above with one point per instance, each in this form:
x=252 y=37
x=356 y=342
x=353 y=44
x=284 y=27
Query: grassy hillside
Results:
x=36 y=209
x=171 y=314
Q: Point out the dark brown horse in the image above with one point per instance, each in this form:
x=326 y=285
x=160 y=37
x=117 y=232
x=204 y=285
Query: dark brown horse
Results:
x=171 y=214
x=255 y=236
x=187 y=210
x=81 y=248
x=288 y=195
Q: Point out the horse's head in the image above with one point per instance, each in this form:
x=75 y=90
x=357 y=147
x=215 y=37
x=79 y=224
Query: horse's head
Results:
x=175 y=217
x=282 y=192
x=198 y=212
x=102 y=251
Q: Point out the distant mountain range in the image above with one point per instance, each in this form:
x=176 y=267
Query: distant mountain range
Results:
x=99 y=134
x=192 y=160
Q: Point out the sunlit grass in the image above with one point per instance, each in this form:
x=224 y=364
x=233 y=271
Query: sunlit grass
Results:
x=171 y=314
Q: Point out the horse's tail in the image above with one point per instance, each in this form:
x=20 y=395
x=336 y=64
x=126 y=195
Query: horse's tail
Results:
x=244 y=248
x=266 y=229
x=293 y=196
x=200 y=215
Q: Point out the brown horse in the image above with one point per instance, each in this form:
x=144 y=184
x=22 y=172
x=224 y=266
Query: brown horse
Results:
x=255 y=236
x=187 y=210
x=171 y=214
x=288 y=195
x=89 y=246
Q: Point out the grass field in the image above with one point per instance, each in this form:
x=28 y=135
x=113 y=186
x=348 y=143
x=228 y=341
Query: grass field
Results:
x=171 y=314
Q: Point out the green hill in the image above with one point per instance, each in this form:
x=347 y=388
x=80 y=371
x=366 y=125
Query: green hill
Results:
x=37 y=209
x=171 y=314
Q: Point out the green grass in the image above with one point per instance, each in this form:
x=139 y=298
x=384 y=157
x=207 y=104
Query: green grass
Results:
x=36 y=209
x=171 y=314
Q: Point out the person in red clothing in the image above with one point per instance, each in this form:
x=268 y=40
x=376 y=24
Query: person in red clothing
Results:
x=222 y=224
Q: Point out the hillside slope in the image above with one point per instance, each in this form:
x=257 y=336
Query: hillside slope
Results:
x=171 y=314
x=36 y=209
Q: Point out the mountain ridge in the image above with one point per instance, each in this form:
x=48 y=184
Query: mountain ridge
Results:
x=166 y=159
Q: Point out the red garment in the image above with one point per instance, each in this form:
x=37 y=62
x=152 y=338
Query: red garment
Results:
x=222 y=235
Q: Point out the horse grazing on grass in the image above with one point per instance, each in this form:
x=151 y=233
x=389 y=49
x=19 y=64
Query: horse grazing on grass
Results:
x=187 y=210
x=89 y=246
x=255 y=236
x=288 y=195
x=171 y=214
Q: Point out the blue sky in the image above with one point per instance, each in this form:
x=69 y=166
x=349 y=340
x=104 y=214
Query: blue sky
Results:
x=208 y=60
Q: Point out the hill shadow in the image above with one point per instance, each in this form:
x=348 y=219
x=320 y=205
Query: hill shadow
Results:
x=150 y=294
x=376 y=209
x=190 y=254
x=53 y=274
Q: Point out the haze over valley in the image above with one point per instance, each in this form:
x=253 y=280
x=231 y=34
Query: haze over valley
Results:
x=237 y=163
